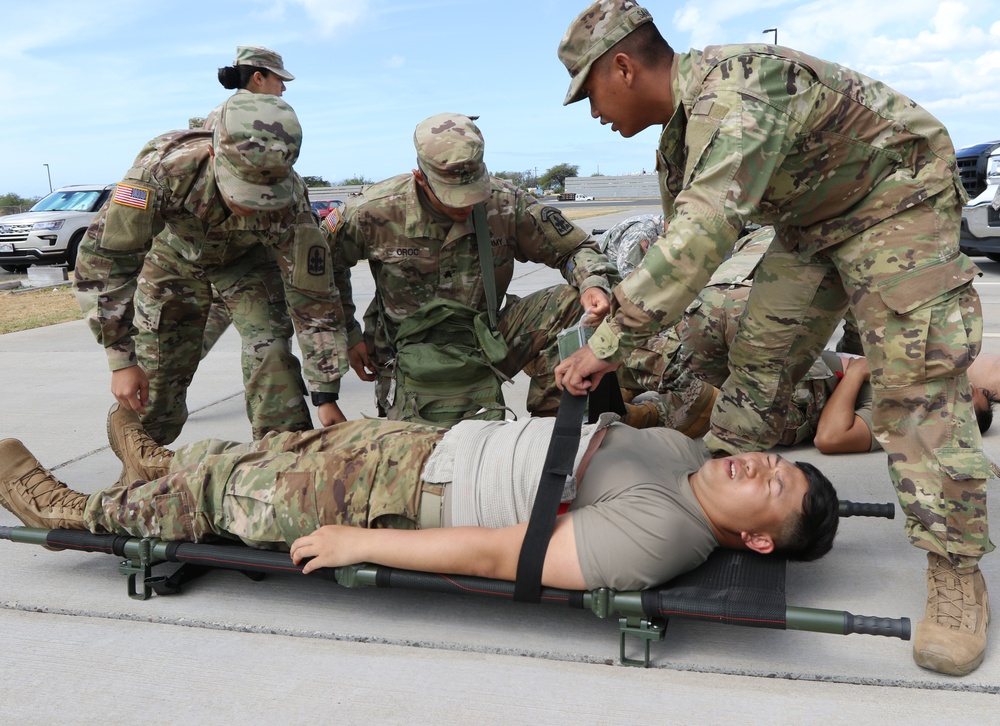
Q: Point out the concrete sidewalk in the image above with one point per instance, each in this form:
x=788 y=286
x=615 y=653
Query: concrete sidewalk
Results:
x=74 y=648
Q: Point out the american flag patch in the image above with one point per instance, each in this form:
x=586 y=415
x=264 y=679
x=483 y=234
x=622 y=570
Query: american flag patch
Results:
x=332 y=220
x=131 y=196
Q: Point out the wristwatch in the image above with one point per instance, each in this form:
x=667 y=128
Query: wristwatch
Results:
x=319 y=398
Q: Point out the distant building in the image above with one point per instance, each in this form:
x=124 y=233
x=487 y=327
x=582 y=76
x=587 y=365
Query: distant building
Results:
x=342 y=192
x=628 y=186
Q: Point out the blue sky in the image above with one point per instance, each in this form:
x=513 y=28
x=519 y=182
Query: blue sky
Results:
x=86 y=83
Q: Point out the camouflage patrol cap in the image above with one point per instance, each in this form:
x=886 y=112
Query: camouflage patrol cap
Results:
x=450 y=154
x=260 y=57
x=196 y=122
x=592 y=34
x=256 y=141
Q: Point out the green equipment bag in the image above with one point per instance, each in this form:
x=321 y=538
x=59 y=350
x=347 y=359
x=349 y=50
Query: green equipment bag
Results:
x=444 y=368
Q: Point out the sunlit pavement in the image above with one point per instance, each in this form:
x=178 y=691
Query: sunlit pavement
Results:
x=75 y=648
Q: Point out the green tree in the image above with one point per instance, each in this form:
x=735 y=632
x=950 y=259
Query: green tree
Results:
x=555 y=177
x=522 y=179
x=316 y=181
x=12 y=203
x=354 y=180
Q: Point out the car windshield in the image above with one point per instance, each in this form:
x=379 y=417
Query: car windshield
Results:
x=319 y=205
x=71 y=201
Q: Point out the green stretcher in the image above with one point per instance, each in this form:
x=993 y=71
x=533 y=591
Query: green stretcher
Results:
x=733 y=587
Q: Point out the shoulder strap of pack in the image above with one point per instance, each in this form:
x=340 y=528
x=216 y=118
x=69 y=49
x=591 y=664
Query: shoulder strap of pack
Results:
x=558 y=465
x=486 y=260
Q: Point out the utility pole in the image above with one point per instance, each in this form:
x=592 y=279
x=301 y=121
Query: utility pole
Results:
x=50 y=176
x=775 y=31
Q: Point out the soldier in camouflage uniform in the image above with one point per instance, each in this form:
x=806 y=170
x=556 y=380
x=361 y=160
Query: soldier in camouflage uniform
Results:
x=255 y=70
x=682 y=367
x=231 y=213
x=375 y=477
x=678 y=364
x=418 y=235
x=861 y=185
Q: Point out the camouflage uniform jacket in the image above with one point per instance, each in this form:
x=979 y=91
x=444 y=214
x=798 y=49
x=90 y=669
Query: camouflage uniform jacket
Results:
x=773 y=136
x=416 y=257
x=177 y=195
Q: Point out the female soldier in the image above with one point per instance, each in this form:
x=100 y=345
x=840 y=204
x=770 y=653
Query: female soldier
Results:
x=229 y=211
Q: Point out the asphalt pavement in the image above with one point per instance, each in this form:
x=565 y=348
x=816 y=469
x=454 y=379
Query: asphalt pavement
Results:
x=75 y=648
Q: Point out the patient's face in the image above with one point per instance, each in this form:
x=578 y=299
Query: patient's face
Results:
x=755 y=491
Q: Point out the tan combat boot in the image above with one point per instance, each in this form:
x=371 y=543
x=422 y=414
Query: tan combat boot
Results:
x=699 y=418
x=142 y=458
x=642 y=415
x=952 y=636
x=30 y=492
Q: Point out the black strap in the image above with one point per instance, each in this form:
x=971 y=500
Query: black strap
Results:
x=606 y=397
x=559 y=461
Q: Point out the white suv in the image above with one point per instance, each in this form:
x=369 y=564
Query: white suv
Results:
x=50 y=232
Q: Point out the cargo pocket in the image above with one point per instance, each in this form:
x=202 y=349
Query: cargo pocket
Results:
x=932 y=325
x=963 y=498
x=962 y=464
x=172 y=519
x=265 y=508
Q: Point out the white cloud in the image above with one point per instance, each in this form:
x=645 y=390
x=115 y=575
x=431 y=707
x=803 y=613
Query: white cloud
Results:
x=332 y=17
x=394 y=61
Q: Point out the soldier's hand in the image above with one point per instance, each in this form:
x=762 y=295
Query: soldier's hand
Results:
x=361 y=361
x=857 y=367
x=582 y=371
x=328 y=546
x=329 y=414
x=596 y=305
x=130 y=387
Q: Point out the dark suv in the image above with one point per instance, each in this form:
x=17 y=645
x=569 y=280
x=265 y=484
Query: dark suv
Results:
x=972 y=166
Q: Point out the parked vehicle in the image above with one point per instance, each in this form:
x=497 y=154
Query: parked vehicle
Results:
x=980 y=219
x=571 y=197
x=325 y=206
x=972 y=161
x=50 y=232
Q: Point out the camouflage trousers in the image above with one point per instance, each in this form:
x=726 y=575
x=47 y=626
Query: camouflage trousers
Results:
x=266 y=494
x=172 y=307
x=529 y=326
x=683 y=360
x=217 y=323
x=921 y=327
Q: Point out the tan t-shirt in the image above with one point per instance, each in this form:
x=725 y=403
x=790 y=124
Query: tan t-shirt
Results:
x=636 y=520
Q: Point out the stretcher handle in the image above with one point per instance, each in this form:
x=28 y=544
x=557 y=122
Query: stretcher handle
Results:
x=868 y=625
x=867 y=509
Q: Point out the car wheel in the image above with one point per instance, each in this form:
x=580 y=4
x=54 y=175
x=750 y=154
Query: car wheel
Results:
x=15 y=269
x=71 y=249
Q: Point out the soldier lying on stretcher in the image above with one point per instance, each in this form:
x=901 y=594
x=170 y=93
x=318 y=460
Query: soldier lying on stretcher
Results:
x=644 y=506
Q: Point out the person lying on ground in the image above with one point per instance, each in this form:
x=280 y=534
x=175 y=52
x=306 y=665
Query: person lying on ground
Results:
x=643 y=507
x=845 y=421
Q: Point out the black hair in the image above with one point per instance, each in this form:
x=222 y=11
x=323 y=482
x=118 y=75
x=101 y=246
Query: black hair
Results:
x=645 y=44
x=809 y=536
x=985 y=417
x=233 y=77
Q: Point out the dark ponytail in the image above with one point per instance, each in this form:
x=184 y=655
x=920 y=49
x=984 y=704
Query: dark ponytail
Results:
x=233 y=77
